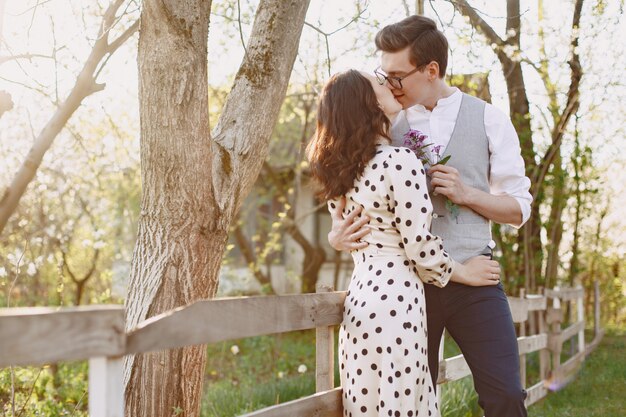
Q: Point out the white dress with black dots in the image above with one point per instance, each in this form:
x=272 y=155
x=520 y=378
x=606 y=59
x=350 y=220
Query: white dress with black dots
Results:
x=382 y=339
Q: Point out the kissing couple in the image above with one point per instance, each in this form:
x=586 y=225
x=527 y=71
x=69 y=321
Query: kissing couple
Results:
x=418 y=226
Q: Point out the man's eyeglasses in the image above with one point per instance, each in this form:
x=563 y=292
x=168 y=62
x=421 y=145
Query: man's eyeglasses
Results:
x=395 y=82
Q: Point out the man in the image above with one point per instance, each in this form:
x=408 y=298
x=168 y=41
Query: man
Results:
x=482 y=181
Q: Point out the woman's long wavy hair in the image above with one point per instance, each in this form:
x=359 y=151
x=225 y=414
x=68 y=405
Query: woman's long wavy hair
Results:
x=349 y=124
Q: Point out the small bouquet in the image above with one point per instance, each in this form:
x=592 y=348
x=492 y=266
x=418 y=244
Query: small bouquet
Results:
x=415 y=140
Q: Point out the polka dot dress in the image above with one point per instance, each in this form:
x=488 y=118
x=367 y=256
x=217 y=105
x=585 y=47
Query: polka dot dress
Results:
x=382 y=339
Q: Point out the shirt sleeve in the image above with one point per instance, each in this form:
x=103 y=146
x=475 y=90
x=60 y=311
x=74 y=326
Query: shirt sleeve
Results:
x=507 y=175
x=405 y=181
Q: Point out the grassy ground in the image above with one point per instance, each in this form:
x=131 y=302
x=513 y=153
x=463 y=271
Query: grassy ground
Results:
x=269 y=370
x=599 y=390
x=249 y=374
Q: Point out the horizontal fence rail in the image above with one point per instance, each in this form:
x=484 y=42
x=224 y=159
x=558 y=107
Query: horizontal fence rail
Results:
x=35 y=336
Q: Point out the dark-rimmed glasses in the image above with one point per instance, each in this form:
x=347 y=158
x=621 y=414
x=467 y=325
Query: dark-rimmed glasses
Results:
x=395 y=82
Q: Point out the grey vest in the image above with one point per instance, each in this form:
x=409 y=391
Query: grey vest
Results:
x=467 y=233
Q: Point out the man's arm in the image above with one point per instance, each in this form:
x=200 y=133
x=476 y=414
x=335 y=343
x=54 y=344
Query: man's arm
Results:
x=497 y=208
x=345 y=234
x=509 y=199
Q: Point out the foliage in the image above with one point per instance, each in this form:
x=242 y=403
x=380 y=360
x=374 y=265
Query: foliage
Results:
x=47 y=391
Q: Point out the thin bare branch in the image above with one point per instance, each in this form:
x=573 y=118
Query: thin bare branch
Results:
x=327 y=35
x=5 y=59
x=477 y=21
x=243 y=41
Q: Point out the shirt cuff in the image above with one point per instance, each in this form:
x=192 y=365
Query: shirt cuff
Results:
x=524 y=206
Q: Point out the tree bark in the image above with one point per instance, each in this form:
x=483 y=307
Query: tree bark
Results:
x=554 y=226
x=193 y=184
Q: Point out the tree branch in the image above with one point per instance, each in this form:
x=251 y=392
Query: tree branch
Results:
x=478 y=22
x=5 y=59
x=84 y=86
x=571 y=106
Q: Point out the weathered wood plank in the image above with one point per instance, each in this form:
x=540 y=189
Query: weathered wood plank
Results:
x=106 y=387
x=565 y=294
x=519 y=309
x=544 y=354
x=324 y=353
x=572 y=364
x=580 y=311
x=594 y=343
x=535 y=393
x=452 y=369
x=322 y=404
x=536 y=302
x=528 y=344
x=522 y=333
x=554 y=315
x=40 y=335
x=566 y=372
x=572 y=331
x=217 y=320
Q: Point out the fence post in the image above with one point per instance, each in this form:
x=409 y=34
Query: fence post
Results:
x=544 y=354
x=324 y=353
x=439 y=359
x=596 y=309
x=556 y=334
x=522 y=333
x=581 y=317
x=106 y=387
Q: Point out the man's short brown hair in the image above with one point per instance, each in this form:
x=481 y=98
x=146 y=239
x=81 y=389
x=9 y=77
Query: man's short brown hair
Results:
x=426 y=43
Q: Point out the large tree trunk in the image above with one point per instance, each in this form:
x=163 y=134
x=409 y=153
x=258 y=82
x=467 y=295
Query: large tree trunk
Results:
x=193 y=184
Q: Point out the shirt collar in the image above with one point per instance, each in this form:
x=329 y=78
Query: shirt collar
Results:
x=442 y=103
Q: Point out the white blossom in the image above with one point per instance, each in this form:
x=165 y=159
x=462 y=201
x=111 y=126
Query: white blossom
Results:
x=234 y=349
x=99 y=244
x=302 y=369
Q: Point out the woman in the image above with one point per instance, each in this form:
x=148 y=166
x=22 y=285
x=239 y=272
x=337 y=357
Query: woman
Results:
x=382 y=340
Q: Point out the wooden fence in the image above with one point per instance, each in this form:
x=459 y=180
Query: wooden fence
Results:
x=35 y=336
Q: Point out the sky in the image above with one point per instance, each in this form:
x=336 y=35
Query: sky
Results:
x=27 y=29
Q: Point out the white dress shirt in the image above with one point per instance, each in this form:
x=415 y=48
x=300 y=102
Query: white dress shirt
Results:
x=507 y=175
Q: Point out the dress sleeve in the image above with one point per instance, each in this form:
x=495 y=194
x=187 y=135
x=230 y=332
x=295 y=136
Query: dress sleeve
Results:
x=405 y=180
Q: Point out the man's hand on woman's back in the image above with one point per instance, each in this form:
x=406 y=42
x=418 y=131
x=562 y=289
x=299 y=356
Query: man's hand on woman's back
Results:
x=345 y=233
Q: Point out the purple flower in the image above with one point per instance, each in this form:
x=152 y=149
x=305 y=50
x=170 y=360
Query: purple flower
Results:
x=416 y=142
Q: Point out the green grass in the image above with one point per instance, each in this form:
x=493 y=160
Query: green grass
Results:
x=266 y=370
x=599 y=390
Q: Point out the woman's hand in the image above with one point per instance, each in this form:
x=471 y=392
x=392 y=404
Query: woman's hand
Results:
x=479 y=271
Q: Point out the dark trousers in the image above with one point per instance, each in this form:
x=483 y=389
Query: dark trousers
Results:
x=479 y=320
